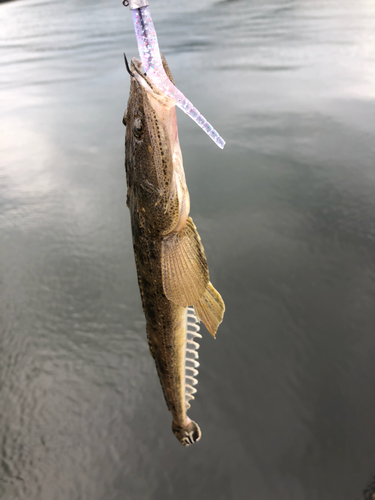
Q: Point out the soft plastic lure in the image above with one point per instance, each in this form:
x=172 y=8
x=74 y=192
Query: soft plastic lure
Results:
x=151 y=60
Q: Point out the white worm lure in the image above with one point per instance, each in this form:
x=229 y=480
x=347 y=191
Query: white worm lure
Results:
x=150 y=56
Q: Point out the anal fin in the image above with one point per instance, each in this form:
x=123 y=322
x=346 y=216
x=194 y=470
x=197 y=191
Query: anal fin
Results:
x=191 y=363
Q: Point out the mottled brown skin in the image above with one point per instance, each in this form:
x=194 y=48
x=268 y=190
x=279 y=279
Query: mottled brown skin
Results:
x=171 y=264
x=154 y=213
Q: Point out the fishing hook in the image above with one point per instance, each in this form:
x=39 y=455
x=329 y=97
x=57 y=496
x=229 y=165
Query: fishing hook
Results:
x=127 y=66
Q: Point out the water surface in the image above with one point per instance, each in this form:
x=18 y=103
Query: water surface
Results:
x=286 y=398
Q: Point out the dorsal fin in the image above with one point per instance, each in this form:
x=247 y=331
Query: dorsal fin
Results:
x=191 y=363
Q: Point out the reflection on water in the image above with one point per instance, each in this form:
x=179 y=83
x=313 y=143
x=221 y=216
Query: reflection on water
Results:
x=286 y=213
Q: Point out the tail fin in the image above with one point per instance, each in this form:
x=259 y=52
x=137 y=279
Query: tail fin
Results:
x=210 y=309
x=187 y=435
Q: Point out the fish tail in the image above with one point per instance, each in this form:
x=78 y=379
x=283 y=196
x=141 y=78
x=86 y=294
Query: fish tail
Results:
x=188 y=434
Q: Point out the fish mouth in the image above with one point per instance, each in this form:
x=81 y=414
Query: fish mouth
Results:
x=141 y=77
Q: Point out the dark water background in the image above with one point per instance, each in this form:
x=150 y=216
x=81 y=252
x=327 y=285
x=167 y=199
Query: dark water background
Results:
x=286 y=394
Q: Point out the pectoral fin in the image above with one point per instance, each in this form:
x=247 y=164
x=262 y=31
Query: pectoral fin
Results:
x=186 y=278
x=184 y=266
x=210 y=309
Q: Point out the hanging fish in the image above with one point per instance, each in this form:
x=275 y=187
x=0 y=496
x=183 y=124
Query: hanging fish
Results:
x=171 y=264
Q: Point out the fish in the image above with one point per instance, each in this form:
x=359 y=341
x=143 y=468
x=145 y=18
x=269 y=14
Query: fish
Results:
x=171 y=264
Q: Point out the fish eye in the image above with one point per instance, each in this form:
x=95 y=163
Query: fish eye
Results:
x=138 y=128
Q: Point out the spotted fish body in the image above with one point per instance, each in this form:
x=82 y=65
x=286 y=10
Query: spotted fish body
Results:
x=171 y=264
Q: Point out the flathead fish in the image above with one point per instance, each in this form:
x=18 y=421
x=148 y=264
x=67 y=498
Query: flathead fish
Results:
x=171 y=264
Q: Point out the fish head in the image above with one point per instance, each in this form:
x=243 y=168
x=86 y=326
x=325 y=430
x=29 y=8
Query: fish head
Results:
x=153 y=156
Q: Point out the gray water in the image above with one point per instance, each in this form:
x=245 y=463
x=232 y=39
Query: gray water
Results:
x=286 y=394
